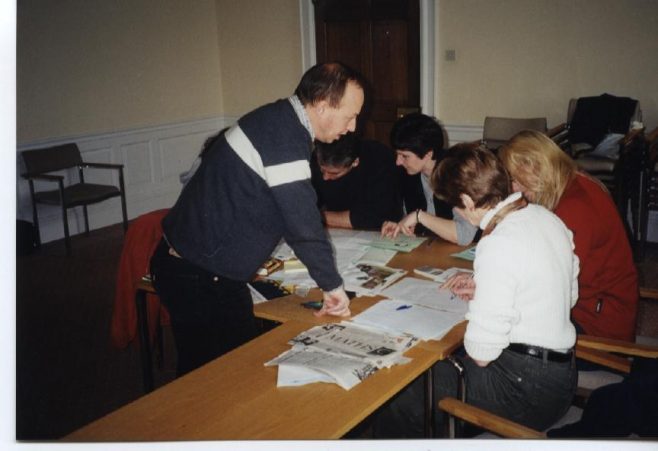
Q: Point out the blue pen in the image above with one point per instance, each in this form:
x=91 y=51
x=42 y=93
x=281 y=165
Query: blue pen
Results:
x=403 y=307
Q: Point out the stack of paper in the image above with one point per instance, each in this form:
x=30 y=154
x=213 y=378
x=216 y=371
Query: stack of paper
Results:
x=403 y=317
x=417 y=307
x=343 y=353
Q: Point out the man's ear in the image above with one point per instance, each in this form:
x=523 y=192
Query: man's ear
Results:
x=467 y=201
x=356 y=162
x=321 y=106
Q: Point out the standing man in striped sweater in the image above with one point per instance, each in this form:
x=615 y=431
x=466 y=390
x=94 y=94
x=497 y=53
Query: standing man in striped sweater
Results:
x=252 y=189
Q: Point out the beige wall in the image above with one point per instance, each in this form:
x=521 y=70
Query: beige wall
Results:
x=98 y=66
x=528 y=57
x=260 y=50
x=93 y=67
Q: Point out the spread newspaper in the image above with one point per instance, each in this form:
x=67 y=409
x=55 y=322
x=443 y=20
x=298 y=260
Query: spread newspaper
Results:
x=343 y=353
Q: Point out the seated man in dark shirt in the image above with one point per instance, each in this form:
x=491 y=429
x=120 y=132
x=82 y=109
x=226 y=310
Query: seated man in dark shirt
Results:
x=356 y=182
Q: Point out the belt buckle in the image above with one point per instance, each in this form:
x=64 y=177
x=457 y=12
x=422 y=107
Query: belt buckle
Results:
x=533 y=351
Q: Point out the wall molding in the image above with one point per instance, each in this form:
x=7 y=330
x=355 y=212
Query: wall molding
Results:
x=462 y=133
x=153 y=158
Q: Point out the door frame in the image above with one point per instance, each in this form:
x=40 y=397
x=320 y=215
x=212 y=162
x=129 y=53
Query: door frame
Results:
x=427 y=54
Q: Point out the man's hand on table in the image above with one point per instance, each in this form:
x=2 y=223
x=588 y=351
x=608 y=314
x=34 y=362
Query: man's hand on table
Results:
x=335 y=303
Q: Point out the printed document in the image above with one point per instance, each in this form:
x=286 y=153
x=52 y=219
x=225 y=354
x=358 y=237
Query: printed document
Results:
x=404 y=317
x=426 y=293
x=344 y=353
x=369 y=280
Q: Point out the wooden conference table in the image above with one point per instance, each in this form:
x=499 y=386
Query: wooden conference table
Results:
x=235 y=397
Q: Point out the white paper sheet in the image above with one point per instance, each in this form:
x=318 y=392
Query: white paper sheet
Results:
x=404 y=317
x=425 y=293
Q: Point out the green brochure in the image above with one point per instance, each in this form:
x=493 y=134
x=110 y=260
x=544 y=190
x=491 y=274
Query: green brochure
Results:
x=402 y=243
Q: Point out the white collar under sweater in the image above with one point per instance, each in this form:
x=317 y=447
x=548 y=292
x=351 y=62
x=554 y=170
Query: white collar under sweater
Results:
x=301 y=114
x=491 y=213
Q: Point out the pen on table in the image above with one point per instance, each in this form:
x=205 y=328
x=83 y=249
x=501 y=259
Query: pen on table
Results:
x=403 y=307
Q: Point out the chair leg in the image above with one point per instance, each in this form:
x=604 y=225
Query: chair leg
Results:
x=86 y=215
x=144 y=341
x=453 y=426
x=124 y=210
x=159 y=336
x=35 y=216
x=67 y=238
x=643 y=217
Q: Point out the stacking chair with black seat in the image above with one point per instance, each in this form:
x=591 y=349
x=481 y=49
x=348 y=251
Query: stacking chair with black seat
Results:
x=603 y=351
x=42 y=163
x=498 y=130
x=604 y=135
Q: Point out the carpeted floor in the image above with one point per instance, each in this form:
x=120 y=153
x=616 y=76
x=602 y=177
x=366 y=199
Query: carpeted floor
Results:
x=67 y=372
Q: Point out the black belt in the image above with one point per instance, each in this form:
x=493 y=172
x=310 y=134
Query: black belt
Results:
x=541 y=353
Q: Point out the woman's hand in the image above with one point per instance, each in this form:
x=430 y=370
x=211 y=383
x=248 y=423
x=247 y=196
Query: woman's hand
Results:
x=408 y=224
x=390 y=229
x=461 y=284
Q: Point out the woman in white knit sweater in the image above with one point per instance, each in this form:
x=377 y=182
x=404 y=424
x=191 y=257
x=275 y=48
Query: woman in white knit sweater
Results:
x=519 y=339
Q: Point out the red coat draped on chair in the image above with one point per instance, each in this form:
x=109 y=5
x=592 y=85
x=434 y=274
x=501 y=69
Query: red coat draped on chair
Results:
x=140 y=242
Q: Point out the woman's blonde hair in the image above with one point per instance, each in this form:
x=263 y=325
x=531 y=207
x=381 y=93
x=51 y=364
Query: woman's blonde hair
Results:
x=536 y=162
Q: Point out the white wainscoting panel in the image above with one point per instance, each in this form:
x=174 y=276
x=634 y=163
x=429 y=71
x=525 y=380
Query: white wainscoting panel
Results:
x=153 y=158
x=462 y=133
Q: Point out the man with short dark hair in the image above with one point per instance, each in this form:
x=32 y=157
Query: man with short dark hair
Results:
x=356 y=182
x=253 y=188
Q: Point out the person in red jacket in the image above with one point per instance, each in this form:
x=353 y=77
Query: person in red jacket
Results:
x=608 y=283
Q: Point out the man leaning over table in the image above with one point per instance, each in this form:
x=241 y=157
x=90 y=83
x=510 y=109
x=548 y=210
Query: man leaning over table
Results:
x=252 y=189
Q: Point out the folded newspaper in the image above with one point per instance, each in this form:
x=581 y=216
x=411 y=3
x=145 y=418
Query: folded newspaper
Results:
x=343 y=353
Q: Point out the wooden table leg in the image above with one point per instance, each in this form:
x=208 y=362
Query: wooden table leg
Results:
x=429 y=403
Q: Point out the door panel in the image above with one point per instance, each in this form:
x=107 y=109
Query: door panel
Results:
x=381 y=39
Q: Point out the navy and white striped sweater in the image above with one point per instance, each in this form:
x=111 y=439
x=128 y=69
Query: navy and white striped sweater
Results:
x=253 y=188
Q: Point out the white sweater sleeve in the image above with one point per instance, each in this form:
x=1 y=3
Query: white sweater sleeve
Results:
x=491 y=313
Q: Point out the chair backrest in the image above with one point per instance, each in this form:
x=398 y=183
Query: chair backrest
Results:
x=591 y=119
x=498 y=130
x=637 y=113
x=52 y=159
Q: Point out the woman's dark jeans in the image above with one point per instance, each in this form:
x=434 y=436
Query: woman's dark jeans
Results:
x=520 y=387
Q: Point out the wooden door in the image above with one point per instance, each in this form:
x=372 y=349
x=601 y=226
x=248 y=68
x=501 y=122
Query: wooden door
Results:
x=381 y=39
